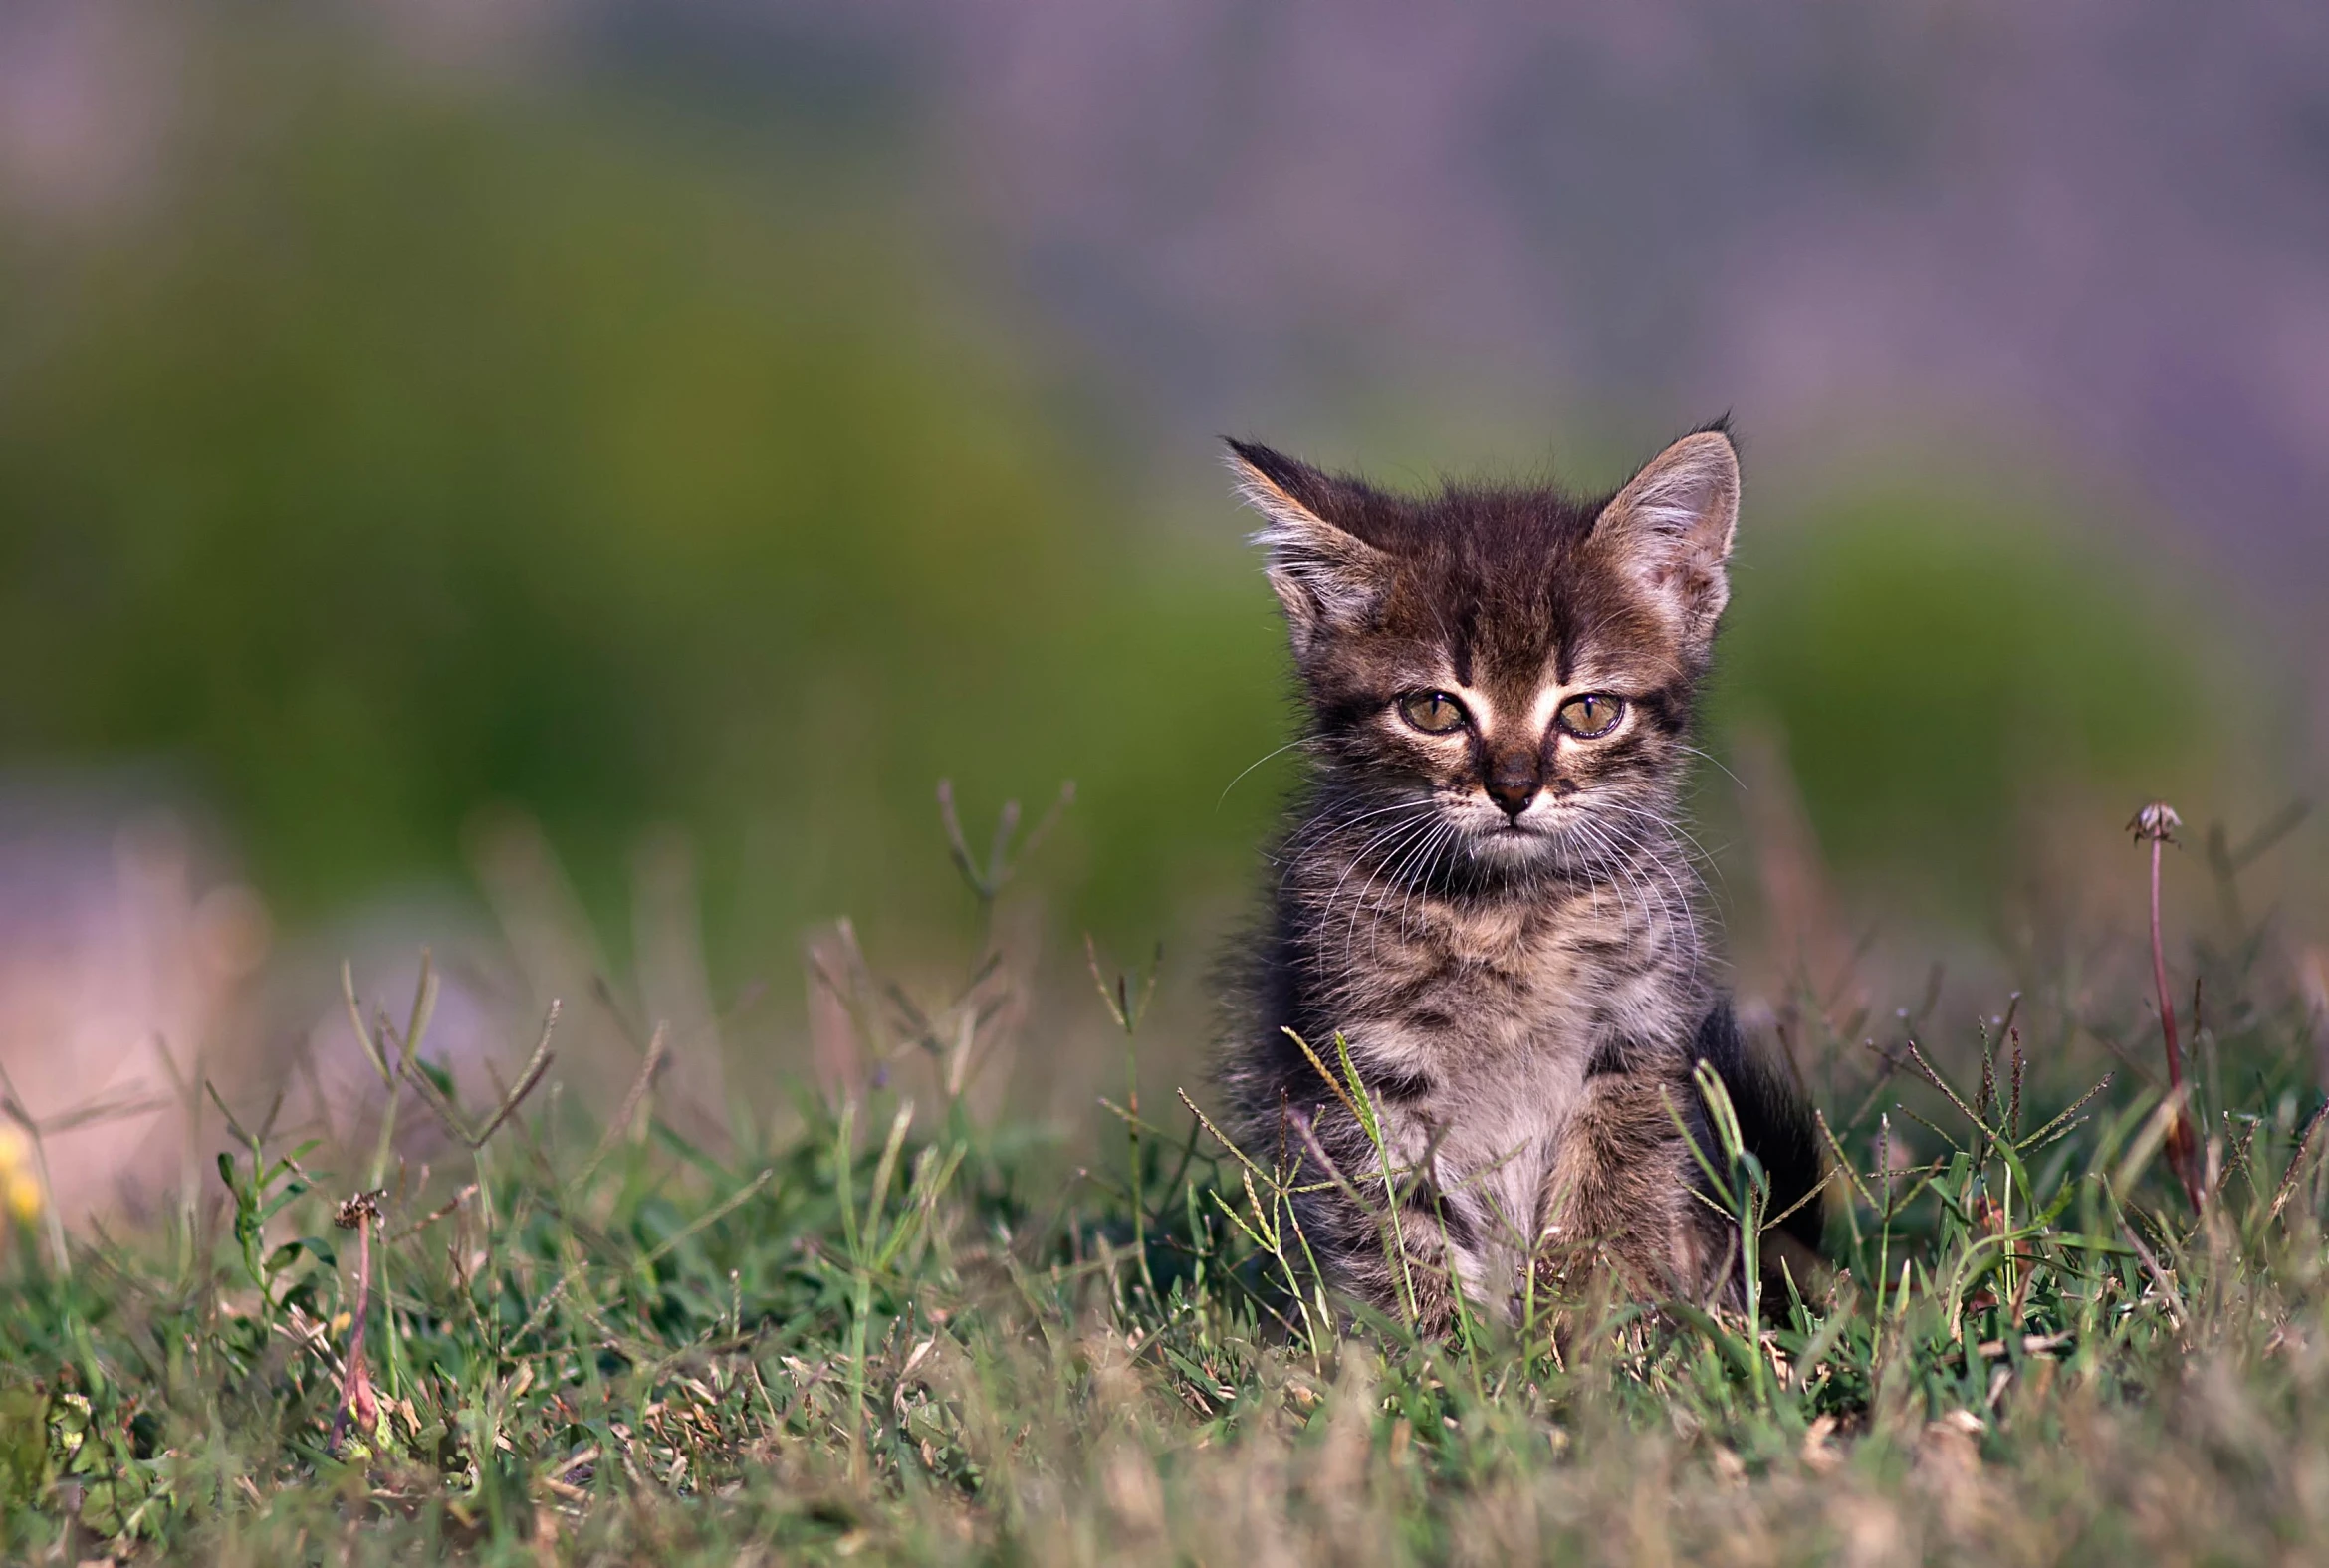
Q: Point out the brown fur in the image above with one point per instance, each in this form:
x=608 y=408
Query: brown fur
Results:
x=1499 y=921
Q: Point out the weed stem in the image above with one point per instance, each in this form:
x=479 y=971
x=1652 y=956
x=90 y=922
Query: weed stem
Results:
x=2157 y=822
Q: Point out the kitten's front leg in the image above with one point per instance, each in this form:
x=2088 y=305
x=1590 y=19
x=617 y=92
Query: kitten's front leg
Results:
x=1414 y=1278
x=1380 y=1230
x=1621 y=1194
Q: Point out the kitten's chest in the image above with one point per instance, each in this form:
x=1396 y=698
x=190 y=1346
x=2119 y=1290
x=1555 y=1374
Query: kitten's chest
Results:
x=1513 y=997
x=1489 y=1022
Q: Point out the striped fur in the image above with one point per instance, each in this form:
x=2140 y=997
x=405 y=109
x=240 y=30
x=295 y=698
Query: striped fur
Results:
x=1499 y=920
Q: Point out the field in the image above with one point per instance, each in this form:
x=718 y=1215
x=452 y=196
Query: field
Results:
x=2071 y=1326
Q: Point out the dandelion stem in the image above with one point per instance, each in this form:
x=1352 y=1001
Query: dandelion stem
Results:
x=356 y=1397
x=2156 y=822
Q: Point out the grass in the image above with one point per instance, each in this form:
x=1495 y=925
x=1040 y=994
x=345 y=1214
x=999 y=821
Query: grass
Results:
x=900 y=1332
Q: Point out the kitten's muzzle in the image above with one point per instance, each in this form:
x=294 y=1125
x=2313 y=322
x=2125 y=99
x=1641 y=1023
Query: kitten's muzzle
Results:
x=1512 y=779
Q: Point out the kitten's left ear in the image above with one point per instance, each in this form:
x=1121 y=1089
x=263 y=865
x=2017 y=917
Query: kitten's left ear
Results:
x=1672 y=527
x=1327 y=579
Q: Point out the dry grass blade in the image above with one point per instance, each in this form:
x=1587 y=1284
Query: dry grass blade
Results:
x=2282 y=823
x=711 y=1218
x=1048 y=821
x=1932 y=1076
x=1841 y=1162
x=2151 y=1265
x=2296 y=1162
x=956 y=844
x=434 y=1214
x=118 y=1108
x=1330 y=1080
x=1790 y=1213
x=424 y=1003
x=625 y=1123
x=1333 y=1172
x=364 y=1035
x=1221 y=1137
x=424 y=1085
x=2039 y=1139
x=536 y=1066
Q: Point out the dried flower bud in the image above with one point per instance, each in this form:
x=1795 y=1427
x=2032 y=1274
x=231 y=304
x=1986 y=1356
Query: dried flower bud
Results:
x=357 y=1210
x=2156 y=822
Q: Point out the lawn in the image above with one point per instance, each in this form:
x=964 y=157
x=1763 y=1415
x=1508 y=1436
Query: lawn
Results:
x=885 y=1327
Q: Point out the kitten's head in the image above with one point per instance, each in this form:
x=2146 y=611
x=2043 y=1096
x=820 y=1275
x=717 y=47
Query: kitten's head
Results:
x=1512 y=665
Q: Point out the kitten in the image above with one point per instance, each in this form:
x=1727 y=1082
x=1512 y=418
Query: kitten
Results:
x=1483 y=892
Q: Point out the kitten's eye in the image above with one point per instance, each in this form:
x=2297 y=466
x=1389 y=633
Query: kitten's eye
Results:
x=1590 y=718
x=1434 y=712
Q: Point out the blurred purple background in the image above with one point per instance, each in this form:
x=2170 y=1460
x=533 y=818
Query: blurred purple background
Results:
x=2099 y=230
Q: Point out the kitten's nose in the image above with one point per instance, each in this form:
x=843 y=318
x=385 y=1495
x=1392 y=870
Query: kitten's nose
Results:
x=1511 y=783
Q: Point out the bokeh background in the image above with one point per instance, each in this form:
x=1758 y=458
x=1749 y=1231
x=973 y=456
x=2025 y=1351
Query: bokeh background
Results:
x=562 y=479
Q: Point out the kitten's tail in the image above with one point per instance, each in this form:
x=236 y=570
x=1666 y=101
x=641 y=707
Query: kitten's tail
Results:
x=1774 y=1122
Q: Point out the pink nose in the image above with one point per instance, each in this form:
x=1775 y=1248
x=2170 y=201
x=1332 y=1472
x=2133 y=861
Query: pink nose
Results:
x=1512 y=784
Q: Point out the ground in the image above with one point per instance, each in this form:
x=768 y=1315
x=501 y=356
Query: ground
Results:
x=895 y=1331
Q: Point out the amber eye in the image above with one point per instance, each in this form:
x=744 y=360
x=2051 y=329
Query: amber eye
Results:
x=1590 y=718
x=1434 y=712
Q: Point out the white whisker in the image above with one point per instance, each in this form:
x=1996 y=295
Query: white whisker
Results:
x=1297 y=742
x=1392 y=857
x=1717 y=760
x=1358 y=860
x=1409 y=872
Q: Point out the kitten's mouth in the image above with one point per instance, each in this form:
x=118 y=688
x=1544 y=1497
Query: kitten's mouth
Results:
x=1492 y=831
x=1543 y=825
x=1544 y=816
x=1508 y=836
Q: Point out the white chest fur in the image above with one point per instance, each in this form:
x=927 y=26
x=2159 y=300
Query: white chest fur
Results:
x=1501 y=1016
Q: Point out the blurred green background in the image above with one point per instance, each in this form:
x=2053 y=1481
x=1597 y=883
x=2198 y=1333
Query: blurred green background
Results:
x=420 y=449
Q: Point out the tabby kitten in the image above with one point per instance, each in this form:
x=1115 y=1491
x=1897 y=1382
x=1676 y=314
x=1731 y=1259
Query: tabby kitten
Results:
x=1483 y=892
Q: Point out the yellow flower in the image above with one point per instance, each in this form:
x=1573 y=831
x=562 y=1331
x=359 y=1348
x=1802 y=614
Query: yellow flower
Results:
x=20 y=1187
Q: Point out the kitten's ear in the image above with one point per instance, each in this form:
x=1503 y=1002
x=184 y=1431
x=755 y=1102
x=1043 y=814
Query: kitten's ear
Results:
x=1672 y=527
x=1327 y=577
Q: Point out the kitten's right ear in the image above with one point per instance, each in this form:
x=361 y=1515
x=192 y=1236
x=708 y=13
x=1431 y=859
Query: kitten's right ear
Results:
x=1671 y=528
x=1327 y=577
